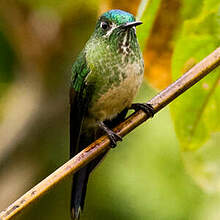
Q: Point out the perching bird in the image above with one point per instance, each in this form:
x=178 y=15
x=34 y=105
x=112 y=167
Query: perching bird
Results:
x=106 y=77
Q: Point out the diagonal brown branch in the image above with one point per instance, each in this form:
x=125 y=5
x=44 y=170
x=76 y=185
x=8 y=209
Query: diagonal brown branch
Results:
x=102 y=144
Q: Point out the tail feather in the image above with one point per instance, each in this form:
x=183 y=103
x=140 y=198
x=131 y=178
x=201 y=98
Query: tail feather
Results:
x=80 y=178
x=75 y=213
x=79 y=187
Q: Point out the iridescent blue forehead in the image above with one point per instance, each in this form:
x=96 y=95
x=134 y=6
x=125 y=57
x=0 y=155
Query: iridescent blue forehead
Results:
x=118 y=16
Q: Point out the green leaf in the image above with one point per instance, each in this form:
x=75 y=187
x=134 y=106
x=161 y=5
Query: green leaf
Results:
x=147 y=12
x=191 y=8
x=204 y=164
x=63 y=8
x=7 y=60
x=196 y=113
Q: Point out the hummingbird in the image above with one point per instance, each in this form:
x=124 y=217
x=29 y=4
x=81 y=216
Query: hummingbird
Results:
x=106 y=76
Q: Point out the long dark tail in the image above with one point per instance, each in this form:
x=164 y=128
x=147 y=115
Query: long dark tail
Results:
x=79 y=187
x=80 y=178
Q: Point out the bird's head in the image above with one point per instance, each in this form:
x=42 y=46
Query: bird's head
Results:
x=117 y=26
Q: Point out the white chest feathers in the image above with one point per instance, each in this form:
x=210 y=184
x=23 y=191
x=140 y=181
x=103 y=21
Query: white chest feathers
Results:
x=117 y=98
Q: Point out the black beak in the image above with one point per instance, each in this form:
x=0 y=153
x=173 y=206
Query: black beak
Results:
x=131 y=24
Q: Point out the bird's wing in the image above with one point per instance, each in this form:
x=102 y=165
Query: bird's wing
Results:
x=79 y=100
x=80 y=95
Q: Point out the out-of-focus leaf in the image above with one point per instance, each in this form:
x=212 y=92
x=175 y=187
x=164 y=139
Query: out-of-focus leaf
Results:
x=146 y=13
x=196 y=113
x=6 y=60
x=191 y=8
x=60 y=6
x=106 y=5
x=159 y=48
x=204 y=164
x=6 y=64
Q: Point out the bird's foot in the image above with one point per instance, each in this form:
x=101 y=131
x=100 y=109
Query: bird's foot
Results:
x=111 y=134
x=146 y=107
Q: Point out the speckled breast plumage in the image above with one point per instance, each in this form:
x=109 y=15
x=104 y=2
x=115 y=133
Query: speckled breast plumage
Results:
x=117 y=75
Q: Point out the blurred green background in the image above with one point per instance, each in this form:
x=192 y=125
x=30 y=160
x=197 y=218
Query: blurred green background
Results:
x=147 y=176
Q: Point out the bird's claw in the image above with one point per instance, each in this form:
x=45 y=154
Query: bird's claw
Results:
x=113 y=138
x=111 y=134
x=146 y=107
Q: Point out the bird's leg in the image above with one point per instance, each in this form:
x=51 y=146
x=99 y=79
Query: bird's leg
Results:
x=111 y=134
x=146 y=107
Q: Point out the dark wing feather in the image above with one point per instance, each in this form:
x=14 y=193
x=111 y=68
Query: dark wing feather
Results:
x=79 y=100
x=78 y=108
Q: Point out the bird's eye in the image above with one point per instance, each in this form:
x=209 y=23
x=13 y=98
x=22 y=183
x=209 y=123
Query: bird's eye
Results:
x=104 y=25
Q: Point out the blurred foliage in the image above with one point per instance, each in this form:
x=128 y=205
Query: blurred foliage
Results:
x=146 y=13
x=159 y=44
x=146 y=176
x=203 y=100
x=106 y=5
x=199 y=107
x=7 y=60
x=6 y=63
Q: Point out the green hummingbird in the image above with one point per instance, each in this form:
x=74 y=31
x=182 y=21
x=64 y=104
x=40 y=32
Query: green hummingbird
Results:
x=106 y=76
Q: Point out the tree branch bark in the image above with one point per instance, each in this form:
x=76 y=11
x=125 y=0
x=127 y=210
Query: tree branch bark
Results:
x=102 y=144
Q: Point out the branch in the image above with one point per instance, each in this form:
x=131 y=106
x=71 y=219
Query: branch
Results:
x=102 y=144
